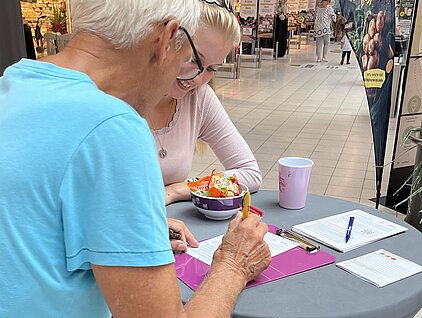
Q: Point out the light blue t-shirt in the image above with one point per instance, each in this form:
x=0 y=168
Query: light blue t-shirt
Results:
x=80 y=184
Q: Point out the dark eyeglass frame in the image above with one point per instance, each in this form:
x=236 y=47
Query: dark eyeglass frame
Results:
x=223 y=4
x=195 y=53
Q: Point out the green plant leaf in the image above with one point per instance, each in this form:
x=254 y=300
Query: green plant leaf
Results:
x=410 y=133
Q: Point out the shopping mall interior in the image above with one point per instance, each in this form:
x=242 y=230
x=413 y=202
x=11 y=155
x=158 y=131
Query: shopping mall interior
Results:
x=285 y=102
x=287 y=109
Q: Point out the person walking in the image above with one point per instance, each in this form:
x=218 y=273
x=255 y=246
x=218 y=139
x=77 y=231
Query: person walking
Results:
x=324 y=15
x=346 y=49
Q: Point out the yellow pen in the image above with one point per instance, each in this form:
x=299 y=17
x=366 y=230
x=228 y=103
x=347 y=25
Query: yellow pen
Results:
x=246 y=203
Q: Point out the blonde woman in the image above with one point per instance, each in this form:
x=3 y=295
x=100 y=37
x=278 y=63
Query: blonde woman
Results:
x=192 y=111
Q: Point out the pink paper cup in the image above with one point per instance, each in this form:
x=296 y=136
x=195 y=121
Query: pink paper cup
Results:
x=293 y=180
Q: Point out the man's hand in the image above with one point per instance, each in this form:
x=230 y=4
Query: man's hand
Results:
x=244 y=250
x=177 y=192
x=187 y=238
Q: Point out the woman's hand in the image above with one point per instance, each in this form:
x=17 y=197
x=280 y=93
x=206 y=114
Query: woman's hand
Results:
x=177 y=192
x=187 y=238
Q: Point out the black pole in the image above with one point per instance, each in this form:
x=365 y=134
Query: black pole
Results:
x=11 y=34
x=378 y=182
x=377 y=201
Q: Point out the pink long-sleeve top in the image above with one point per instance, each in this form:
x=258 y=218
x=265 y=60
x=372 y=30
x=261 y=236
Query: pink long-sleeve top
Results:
x=202 y=116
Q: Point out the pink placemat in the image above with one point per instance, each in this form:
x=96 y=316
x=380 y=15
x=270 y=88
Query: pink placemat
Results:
x=192 y=271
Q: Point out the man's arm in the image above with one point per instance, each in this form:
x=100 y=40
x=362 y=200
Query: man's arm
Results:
x=140 y=291
x=154 y=291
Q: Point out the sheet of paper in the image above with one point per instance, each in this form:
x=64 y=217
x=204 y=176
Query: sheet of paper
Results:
x=207 y=248
x=331 y=231
x=380 y=268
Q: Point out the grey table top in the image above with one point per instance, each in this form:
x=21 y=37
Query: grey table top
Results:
x=325 y=291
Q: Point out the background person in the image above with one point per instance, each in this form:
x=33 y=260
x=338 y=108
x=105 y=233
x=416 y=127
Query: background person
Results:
x=324 y=15
x=82 y=214
x=192 y=111
x=346 y=49
x=29 y=42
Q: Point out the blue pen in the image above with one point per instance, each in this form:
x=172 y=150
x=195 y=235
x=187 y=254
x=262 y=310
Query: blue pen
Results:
x=349 y=228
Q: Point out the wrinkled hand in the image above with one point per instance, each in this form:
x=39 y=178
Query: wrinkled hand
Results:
x=243 y=249
x=187 y=238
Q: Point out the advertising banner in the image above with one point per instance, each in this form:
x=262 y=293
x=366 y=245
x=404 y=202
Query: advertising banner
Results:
x=410 y=114
x=311 y=5
x=371 y=34
x=405 y=16
x=405 y=152
x=412 y=99
x=248 y=17
x=266 y=18
x=293 y=6
x=303 y=5
x=416 y=47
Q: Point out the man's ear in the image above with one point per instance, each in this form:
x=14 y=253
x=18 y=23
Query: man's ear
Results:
x=166 y=40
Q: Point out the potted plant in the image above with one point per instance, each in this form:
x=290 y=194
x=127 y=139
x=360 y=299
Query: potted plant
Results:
x=58 y=20
x=414 y=212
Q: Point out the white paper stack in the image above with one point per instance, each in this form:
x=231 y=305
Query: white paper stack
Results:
x=331 y=231
x=207 y=248
x=380 y=268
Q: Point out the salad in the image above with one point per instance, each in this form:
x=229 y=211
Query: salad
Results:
x=216 y=185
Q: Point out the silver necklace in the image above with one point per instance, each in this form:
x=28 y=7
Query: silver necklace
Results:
x=162 y=153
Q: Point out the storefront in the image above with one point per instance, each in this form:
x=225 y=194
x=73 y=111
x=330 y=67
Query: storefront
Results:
x=44 y=17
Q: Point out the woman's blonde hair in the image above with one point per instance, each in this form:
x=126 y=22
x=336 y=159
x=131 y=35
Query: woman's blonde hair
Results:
x=201 y=147
x=218 y=18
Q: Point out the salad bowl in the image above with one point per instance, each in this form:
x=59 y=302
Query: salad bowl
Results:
x=219 y=208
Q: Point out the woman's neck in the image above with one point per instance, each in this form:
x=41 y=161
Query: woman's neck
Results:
x=162 y=114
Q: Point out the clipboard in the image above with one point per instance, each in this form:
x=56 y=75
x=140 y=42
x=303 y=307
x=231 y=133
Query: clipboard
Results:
x=192 y=271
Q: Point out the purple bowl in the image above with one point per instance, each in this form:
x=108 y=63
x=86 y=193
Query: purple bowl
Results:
x=219 y=208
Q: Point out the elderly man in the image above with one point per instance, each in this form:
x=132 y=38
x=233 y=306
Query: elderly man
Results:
x=82 y=215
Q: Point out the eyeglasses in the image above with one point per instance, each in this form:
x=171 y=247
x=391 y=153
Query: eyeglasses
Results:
x=222 y=4
x=192 y=69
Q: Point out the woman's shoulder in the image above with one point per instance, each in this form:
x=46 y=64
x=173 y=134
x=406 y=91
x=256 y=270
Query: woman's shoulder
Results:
x=201 y=92
x=205 y=91
x=198 y=103
x=202 y=96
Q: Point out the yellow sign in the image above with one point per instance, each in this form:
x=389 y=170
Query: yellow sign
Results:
x=368 y=2
x=374 y=78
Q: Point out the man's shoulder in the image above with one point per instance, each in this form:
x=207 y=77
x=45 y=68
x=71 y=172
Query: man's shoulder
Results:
x=94 y=102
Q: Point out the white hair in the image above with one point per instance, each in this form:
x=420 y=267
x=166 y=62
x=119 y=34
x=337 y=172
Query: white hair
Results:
x=127 y=22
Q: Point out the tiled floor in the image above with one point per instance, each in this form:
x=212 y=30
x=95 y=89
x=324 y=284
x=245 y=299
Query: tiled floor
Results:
x=319 y=112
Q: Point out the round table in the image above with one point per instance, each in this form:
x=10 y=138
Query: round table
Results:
x=326 y=291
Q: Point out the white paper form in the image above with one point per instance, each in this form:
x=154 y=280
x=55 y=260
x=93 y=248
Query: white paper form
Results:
x=380 y=268
x=331 y=231
x=207 y=248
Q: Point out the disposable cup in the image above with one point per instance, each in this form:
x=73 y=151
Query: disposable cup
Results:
x=293 y=180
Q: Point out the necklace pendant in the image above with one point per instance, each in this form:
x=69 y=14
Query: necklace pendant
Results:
x=162 y=153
